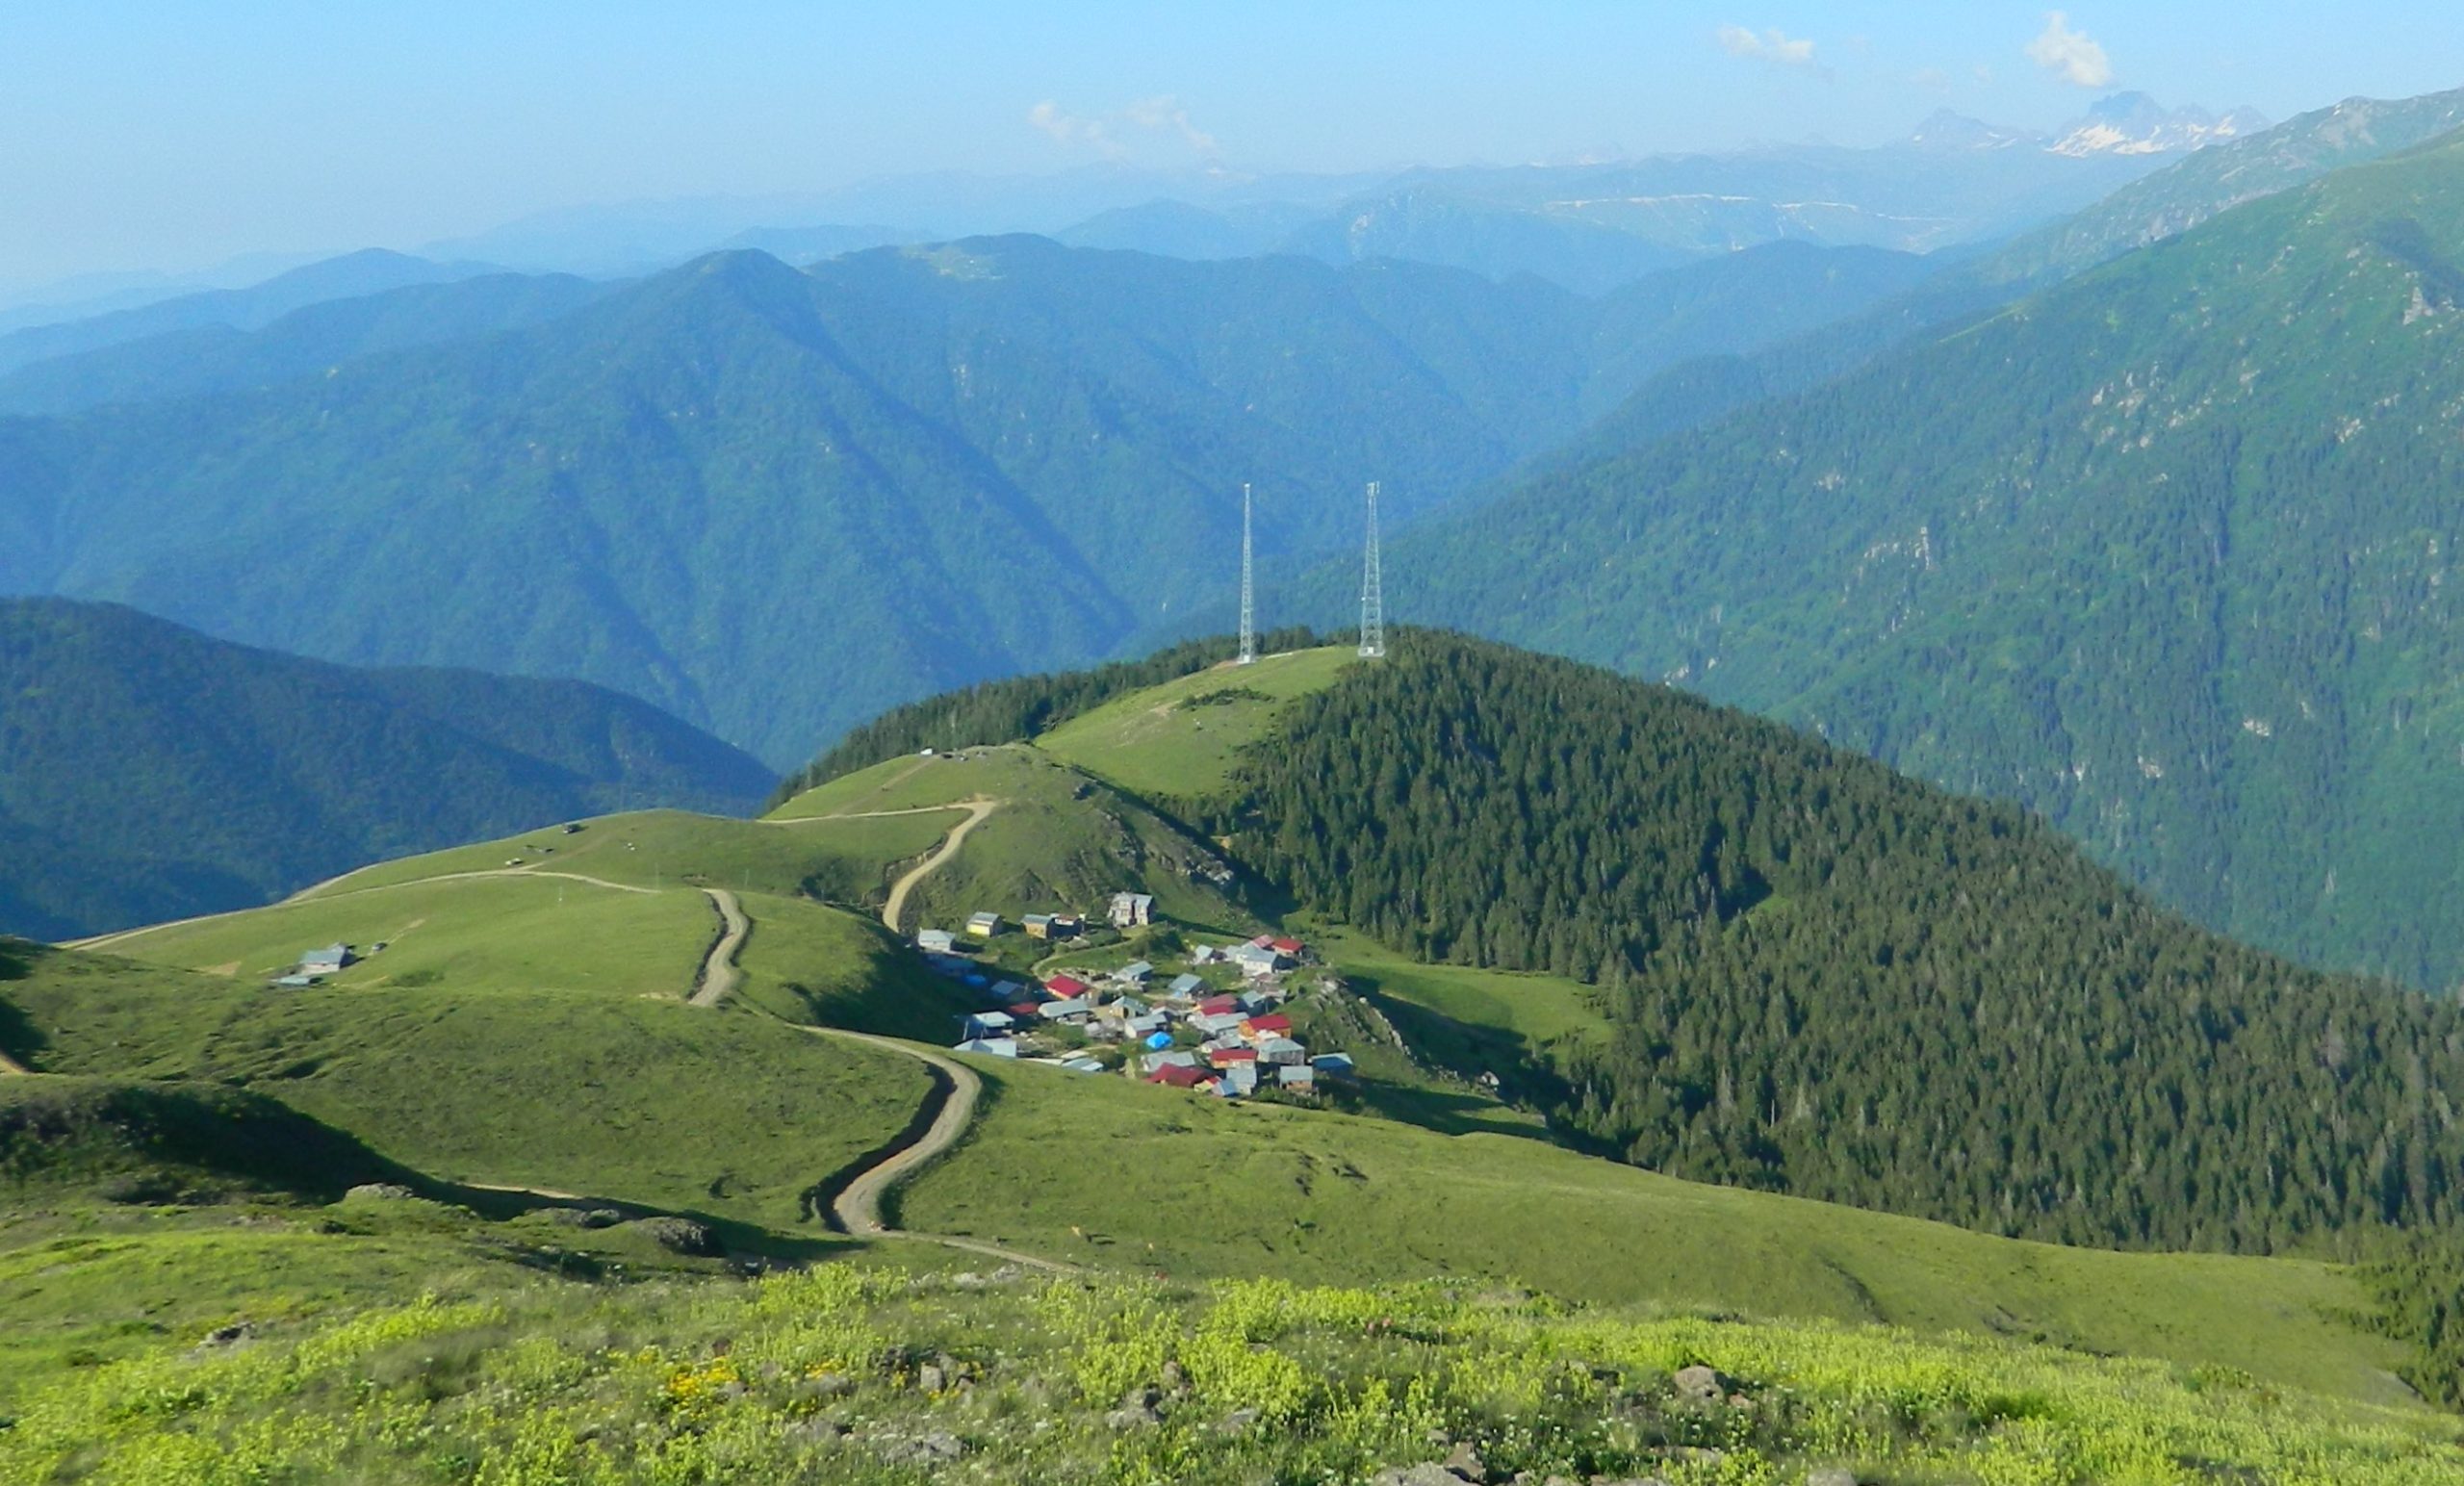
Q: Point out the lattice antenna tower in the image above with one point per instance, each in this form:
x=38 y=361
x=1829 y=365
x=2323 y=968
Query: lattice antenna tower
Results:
x=1249 y=610
x=1373 y=598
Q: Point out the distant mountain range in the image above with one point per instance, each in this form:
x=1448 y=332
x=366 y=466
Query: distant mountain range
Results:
x=2126 y=124
x=344 y=277
x=775 y=501
x=1592 y=228
x=147 y=772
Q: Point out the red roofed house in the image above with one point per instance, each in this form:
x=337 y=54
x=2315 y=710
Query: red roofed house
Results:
x=1292 y=947
x=1178 y=1076
x=1027 y=1010
x=1217 y=1006
x=1225 y=1057
x=1068 y=987
x=1263 y=941
x=1259 y=1028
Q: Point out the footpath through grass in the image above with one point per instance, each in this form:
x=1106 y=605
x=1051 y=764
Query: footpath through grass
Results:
x=842 y=860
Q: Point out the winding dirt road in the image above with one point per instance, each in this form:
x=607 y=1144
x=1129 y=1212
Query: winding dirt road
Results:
x=720 y=973
x=857 y=1210
x=976 y=812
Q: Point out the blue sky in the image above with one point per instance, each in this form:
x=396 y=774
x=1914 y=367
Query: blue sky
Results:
x=170 y=136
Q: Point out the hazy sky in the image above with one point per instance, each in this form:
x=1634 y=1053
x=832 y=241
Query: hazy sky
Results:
x=176 y=135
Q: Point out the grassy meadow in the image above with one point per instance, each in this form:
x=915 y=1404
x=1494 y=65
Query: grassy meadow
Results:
x=847 y=862
x=1193 y=1187
x=879 y=1374
x=1182 y=740
x=728 y=1115
x=1060 y=840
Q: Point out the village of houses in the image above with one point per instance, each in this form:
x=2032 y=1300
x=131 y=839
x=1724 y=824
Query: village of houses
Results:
x=1211 y=1020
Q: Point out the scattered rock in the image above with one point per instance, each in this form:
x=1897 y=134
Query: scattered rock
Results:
x=582 y=1218
x=939 y=1448
x=683 y=1236
x=1138 y=1409
x=1702 y=1388
x=1831 y=1475
x=1465 y=1462
x=1237 y=1421
x=1416 y=1476
x=931 y=1378
x=1174 y=1380
x=232 y=1335
x=817 y=1431
x=826 y=1385
x=382 y=1191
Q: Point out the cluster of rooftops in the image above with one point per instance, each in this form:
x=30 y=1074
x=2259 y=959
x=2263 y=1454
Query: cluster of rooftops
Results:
x=1176 y=1028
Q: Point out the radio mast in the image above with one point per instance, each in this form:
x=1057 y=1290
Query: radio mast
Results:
x=1248 y=617
x=1373 y=600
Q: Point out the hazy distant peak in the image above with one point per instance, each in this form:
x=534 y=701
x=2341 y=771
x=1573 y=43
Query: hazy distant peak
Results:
x=1948 y=131
x=2132 y=123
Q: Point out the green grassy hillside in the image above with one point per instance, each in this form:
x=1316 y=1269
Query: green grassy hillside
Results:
x=885 y=1376
x=607 y=1093
x=849 y=861
x=1057 y=838
x=529 y=1030
x=163 y=1142
x=1190 y=1187
x=1182 y=740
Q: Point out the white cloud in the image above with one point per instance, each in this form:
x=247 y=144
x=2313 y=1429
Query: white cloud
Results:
x=1770 y=45
x=1072 y=128
x=1112 y=135
x=1165 y=116
x=2070 y=53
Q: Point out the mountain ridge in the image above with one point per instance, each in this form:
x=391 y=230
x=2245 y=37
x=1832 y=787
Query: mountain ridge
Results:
x=149 y=772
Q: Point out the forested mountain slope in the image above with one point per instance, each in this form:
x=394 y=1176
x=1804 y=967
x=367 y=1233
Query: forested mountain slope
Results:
x=147 y=772
x=2163 y=204
x=2167 y=553
x=776 y=502
x=1834 y=981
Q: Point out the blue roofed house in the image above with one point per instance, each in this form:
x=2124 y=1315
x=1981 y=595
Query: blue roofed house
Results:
x=326 y=960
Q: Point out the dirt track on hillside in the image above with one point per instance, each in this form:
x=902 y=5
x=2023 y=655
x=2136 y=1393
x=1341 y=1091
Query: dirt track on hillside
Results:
x=107 y=940
x=720 y=973
x=856 y=1210
x=976 y=812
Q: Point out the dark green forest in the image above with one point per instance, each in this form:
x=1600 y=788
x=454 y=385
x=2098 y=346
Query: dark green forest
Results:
x=1830 y=980
x=149 y=772
x=2167 y=553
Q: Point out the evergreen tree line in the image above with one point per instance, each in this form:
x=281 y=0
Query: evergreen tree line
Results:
x=1826 y=979
x=1016 y=707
